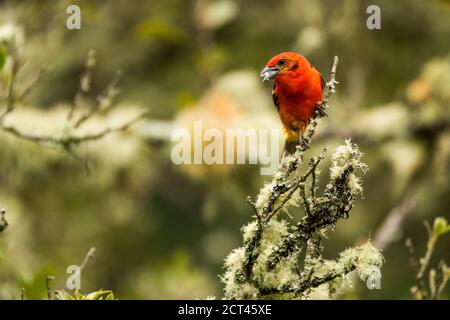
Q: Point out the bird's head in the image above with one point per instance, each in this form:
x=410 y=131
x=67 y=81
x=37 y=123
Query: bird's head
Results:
x=285 y=63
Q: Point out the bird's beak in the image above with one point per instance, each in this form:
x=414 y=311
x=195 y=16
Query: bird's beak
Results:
x=268 y=73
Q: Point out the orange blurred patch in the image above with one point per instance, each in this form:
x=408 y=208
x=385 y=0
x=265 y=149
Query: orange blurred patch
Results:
x=418 y=91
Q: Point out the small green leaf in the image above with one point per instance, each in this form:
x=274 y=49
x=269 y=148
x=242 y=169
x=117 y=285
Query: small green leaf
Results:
x=110 y=297
x=98 y=295
x=62 y=295
x=440 y=226
x=79 y=296
x=157 y=29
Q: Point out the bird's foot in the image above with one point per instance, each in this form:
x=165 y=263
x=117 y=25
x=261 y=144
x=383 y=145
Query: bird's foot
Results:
x=320 y=110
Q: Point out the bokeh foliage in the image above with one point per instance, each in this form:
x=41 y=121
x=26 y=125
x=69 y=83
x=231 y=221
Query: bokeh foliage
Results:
x=162 y=231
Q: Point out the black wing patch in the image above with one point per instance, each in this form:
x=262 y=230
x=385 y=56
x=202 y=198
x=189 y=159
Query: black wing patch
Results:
x=323 y=82
x=275 y=98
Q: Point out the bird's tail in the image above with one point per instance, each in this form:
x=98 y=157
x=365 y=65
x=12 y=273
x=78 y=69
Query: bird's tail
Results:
x=289 y=148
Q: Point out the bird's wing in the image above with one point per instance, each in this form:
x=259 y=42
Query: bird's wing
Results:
x=275 y=97
x=323 y=82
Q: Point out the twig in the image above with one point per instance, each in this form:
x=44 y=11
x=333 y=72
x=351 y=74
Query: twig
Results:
x=71 y=139
x=85 y=82
x=421 y=265
x=313 y=182
x=89 y=256
x=305 y=284
x=425 y=261
x=252 y=204
x=283 y=202
x=49 y=278
x=331 y=84
x=391 y=224
x=313 y=251
x=10 y=104
x=432 y=283
x=296 y=182
x=108 y=93
x=32 y=85
x=444 y=279
x=304 y=199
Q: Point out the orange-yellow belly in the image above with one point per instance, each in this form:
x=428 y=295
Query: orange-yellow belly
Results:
x=296 y=116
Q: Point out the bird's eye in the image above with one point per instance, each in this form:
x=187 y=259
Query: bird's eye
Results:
x=282 y=62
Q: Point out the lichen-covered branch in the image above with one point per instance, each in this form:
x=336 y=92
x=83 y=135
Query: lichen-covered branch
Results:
x=365 y=259
x=267 y=265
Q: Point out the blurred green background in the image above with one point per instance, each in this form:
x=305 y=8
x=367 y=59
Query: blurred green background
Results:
x=161 y=230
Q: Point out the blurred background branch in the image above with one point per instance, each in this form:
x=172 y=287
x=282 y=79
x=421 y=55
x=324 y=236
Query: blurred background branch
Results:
x=70 y=136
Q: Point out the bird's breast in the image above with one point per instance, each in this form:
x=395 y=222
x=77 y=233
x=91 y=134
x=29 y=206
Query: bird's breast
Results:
x=297 y=103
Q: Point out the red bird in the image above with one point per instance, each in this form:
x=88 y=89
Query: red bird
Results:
x=297 y=94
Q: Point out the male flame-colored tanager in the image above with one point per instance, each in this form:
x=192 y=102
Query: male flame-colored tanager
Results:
x=297 y=94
